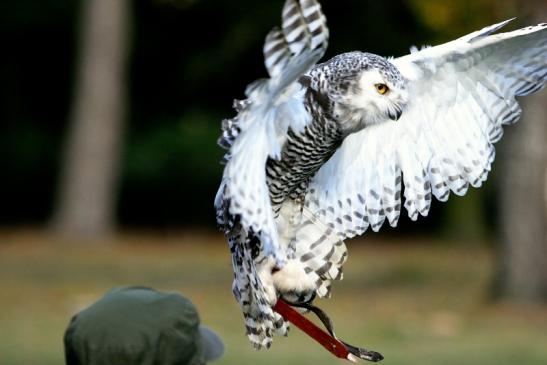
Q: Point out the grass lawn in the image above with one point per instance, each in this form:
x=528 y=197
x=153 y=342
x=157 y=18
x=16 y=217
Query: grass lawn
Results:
x=415 y=302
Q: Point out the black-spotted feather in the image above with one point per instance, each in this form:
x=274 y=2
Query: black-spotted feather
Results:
x=464 y=93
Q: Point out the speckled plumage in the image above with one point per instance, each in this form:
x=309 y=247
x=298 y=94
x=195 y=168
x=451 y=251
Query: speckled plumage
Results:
x=314 y=155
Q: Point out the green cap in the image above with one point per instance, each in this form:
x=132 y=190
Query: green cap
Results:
x=137 y=325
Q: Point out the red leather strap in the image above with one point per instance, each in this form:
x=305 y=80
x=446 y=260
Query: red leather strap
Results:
x=334 y=346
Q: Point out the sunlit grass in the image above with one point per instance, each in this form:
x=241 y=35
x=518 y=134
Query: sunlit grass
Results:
x=417 y=303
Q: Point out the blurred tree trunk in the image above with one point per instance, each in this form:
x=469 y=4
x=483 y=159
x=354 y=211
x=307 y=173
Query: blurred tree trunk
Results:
x=523 y=206
x=88 y=182
x=523 y=199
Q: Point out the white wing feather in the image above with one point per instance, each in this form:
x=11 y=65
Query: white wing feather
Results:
x=273 y=105
x=463 y=92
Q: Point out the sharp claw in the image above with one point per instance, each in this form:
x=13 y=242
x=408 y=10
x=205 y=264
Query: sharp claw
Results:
x=376 y=356
x=363 y=353
x=303 y=304
x=367 y=355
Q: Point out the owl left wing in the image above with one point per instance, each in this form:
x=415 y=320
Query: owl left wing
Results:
x=272 y=106
x=462 y=93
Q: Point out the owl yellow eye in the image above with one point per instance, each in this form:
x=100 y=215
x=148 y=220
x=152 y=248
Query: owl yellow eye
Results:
x=381 y=88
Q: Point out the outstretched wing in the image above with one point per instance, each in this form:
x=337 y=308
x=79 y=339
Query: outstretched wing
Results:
x=273 y=105
x=462 y=92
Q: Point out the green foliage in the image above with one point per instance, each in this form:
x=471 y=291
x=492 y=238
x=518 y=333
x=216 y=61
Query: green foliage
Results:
x=183 y=147
x=450 y=19
x=171 y=168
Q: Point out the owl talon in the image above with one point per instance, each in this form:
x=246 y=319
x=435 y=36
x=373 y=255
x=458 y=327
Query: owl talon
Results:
x=304 y=301
x=364 y=354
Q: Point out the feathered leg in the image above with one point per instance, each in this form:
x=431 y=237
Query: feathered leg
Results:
x=255 y=297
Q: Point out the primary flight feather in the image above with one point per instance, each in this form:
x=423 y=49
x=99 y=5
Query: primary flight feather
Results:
x=318 y=153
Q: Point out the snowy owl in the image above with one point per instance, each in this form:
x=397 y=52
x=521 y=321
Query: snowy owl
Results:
x=319 y=152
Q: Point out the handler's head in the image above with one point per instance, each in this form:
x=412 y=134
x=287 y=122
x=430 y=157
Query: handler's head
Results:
x=137 y=325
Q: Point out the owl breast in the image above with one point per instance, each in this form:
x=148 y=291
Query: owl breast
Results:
x=301 y=157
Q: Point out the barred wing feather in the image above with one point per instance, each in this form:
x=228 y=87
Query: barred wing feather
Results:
x=463 y=94
x=272 y=106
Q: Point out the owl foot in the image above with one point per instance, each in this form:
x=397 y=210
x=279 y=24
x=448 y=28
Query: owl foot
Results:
x=292 y=283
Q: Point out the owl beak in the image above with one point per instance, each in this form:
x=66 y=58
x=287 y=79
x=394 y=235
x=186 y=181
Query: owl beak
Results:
x=395 y=113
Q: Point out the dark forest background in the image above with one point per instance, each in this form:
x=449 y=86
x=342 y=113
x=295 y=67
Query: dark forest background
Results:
x=187 y=61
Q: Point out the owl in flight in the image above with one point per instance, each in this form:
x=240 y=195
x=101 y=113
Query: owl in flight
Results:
x=319 y=152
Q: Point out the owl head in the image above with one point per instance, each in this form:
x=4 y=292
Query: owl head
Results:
x=364 y=90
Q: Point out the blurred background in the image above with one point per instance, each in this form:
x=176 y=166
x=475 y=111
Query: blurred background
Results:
x=110 y=111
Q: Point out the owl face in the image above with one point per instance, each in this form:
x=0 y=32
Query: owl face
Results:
x=371 y=92
x=378 y=97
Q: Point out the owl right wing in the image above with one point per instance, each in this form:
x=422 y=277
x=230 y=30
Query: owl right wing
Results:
x=272 y=106
x=461 y=95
